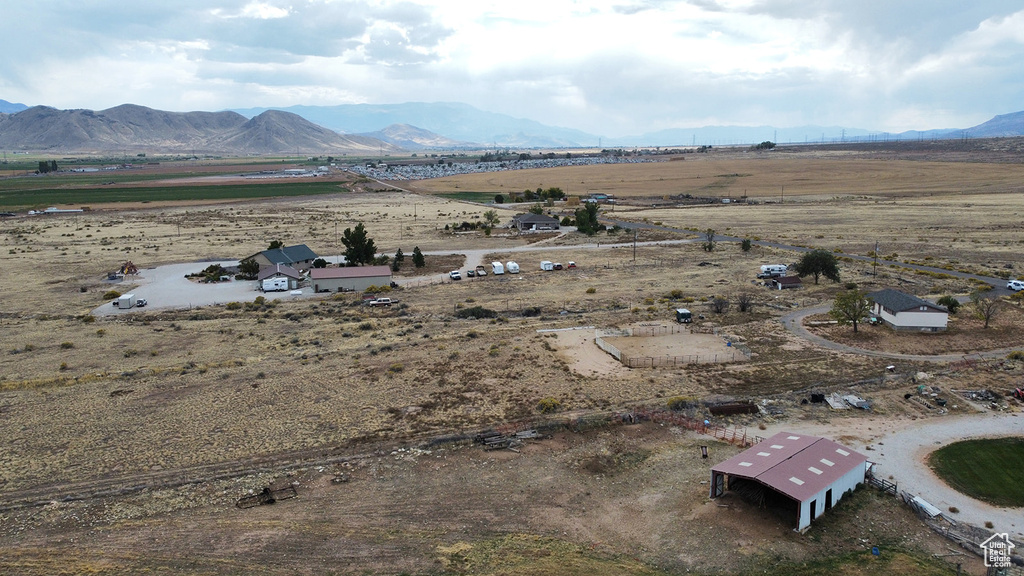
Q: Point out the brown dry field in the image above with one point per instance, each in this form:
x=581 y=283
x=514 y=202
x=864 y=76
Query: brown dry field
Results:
x=131 y=397
x=765 y=176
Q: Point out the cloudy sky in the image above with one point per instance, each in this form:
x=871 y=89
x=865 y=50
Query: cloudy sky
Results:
x=611 y=67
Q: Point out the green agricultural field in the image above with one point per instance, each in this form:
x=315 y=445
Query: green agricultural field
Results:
x=41 y=198
x=990 y=469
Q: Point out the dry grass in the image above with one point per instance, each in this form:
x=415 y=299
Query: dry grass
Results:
x=164 y=390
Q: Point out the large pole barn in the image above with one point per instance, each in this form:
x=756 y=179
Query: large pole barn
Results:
x=806 y=474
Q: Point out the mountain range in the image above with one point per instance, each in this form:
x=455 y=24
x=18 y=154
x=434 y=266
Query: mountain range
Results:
x=365 y=129
x=136 y=128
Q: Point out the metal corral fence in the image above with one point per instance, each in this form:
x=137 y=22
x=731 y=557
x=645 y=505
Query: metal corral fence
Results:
x=656 y=361
x=737 y=352
x=731 y=435
x=603 y=345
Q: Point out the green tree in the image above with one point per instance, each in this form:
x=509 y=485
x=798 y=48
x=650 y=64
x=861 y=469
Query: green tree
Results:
x=586 y=218
x=745 y=245
x=417 y=258
x=709 y=240
x=499 y=199
x=396 y=263
x=249 y=268
x=275 y=244
x=818 y=263
x=536 y=209
x=491 y=218
x=850 y=307
x=319 y=263
x=950 y=302
x=359 y=248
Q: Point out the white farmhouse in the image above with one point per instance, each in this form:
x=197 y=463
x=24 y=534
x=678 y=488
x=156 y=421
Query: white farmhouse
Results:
x=901 y=311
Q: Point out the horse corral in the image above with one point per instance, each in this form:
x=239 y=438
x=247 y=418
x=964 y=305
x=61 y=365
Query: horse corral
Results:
x=669 y=345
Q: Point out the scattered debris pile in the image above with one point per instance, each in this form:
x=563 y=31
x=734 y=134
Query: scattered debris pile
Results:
x=268 y=495
x=493 y=440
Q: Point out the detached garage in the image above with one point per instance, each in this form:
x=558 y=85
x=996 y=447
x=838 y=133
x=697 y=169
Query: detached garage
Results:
x=350 y=278
x=806 y=474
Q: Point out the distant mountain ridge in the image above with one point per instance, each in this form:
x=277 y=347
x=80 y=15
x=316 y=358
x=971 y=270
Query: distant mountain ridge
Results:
x=464 y=123
x=373 y=129
x=11 y=107
x=452 y=120
x=136 y=128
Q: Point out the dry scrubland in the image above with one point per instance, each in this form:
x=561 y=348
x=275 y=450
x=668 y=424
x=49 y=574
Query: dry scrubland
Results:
x=161 y=390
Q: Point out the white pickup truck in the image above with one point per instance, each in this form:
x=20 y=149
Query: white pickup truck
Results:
x=382 y=302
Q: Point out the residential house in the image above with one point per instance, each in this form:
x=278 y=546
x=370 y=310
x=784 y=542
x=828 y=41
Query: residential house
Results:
x=901 y=311
x=531 y=221
x=299 y=257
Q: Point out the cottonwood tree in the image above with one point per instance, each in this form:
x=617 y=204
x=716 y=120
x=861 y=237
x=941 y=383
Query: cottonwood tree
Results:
x=850 y=307
x=359 y=248
x=719 y=305
x=491 y=218
x=818 y=263
x=275 y=244
x=985 y=307
x=745 y=302
x=320 y=263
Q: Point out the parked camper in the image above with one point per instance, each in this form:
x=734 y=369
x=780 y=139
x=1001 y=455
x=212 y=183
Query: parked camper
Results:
x=126 y=301
x=512 y=267
x=683 y=316
x=547 y=265
x=275 y=285
x=777 y=269
x=497 y=268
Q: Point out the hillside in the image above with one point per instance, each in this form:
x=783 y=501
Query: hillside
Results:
x=413 y=138
x=131 y=128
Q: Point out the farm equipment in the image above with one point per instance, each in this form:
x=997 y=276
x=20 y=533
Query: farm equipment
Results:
x=1018 y=393
x=267 y=496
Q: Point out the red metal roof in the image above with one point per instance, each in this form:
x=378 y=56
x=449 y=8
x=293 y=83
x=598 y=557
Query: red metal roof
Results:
x=796 y=465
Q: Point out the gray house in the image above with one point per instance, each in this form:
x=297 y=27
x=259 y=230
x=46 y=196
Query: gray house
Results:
x=299 y=257
x=901 y=311
x=531 y=221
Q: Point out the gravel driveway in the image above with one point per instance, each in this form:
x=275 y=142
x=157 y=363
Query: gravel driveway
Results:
x=899 y=449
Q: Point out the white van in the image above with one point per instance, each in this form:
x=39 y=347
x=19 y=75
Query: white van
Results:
x=512 y=267
x=547 y=265
x=497 y=269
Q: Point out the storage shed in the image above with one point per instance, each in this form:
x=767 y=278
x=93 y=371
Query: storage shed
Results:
x=805 y=474
x=349 y=278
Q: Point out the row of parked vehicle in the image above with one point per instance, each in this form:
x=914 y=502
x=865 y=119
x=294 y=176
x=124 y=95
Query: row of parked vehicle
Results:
x=510 y=267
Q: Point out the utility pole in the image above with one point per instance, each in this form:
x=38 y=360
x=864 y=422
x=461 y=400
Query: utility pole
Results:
x=634 y=245
x=874 y=265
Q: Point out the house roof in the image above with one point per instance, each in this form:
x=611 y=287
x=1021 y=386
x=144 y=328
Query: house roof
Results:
x=531 y=218
x=269 y=271
x=289 y=254
x=796 y=465
x=788 y=280
x=350 y=272
x=901 y=301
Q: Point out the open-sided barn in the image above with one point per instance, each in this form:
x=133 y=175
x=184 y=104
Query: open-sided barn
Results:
x=807 y=474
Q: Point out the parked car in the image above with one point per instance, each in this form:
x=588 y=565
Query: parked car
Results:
x=455 y=275
x=470 y=273
x=1015 y=285
x=481 y=271
x=571 y=265
x=558 y=266
x=141 y=302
